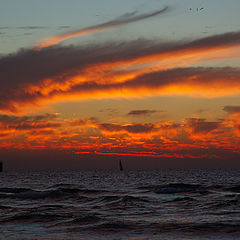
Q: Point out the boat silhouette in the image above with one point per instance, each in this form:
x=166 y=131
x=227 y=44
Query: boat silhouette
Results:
x=120 y=165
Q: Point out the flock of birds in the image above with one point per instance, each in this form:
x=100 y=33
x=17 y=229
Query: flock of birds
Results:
x=198 y=9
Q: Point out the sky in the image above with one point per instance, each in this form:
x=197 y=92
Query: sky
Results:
x=152 y=82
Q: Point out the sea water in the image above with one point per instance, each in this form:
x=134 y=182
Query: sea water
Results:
x=168 y=204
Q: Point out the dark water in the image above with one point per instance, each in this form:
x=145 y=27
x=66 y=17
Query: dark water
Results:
x=105 y=204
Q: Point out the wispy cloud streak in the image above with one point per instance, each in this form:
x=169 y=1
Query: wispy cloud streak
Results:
x=112 y=70
x=125 y=19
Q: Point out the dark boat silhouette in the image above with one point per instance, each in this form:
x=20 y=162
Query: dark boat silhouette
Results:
x=120 y=165
x=1 y=166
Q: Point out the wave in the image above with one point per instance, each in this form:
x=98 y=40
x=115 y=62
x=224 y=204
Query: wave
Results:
x=119 y=201
x=235 y=188
x=86 y=219
x=196 y=228
x=114 y=226
x=183 y=199
x=32 y=217
x=64 y=185
x=225 y=203
x=14 y=190
x=3 y=207
x=27 y=193
x=102 y=226
x=109 y=198
x=172 y=188
x=215 y=227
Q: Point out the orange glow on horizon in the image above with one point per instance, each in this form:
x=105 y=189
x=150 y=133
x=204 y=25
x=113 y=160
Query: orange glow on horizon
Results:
x=166 y=141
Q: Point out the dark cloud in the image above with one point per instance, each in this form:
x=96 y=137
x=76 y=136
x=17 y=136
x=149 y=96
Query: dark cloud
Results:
x=141 y=112
x=226 y=39
x=31 y=68
x=140 y=128
x=188 y=76
x=232 y=109
x=110 y=127
x=122 y=20
x=199 y=125
x=2 y=135
x=129 y=18
x=16 y=119
x=83 y=121
x=169 y=125
x=24 y=28
x=31 y=27
x=32 y=125
x=63 y=27
x=28 y=122
x=131 y=128
x=42 y=132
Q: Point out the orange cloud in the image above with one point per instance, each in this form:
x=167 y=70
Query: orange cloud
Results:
x=135 y=69
x=193 y=138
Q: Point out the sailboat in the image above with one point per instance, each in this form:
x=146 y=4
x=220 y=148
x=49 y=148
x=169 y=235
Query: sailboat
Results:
x=120 y=165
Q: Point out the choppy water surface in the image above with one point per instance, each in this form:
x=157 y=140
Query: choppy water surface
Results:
x=107 y=204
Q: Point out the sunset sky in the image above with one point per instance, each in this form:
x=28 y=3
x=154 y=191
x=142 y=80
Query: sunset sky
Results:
x=153 y=82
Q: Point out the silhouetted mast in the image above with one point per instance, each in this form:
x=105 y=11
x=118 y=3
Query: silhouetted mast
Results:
x=120 y=165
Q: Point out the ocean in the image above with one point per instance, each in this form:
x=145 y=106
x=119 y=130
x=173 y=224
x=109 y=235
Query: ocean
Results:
x=166 y=204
